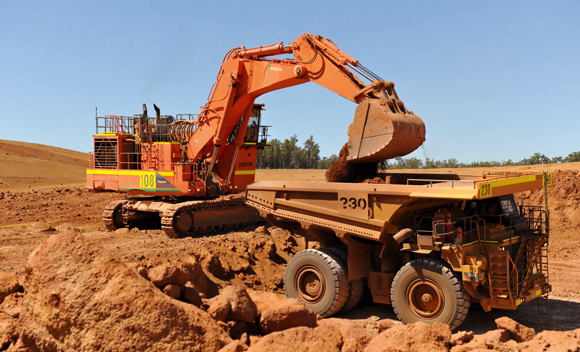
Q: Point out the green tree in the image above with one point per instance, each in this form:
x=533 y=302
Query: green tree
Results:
x=325 y=162
x=269 y=157
x=535 y=159
x=431 y=164
x=409 y=163
x=557 y=159
x=311 y=153
x=289 y=147
x=451 y=163
x=572 y=157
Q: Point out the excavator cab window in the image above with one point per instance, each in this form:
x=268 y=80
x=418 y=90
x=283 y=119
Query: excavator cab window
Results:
x=253 y=130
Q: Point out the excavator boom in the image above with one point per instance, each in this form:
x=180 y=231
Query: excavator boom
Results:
x=382 y=127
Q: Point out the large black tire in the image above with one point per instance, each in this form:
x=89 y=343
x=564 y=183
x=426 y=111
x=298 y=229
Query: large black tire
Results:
x=426 y=290
x=318 y=278
x=355 y=292
x=355 y=288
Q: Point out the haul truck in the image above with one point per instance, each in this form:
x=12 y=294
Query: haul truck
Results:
x=431 y=244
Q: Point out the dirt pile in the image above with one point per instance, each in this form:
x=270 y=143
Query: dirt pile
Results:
x=289 y=313
x=8 y=285
x=343 y=171
x=353 y=337
x=563 y=200
x=81 y=297
x=78 y=298
x=413 y=337
x=388 y=180
x=296 y=339
x=564 y=205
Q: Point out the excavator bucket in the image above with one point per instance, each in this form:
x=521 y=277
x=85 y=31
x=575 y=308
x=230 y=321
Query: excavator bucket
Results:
x=381 y=132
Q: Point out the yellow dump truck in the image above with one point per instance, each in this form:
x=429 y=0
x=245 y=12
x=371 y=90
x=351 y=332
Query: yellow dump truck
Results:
x=429 y=244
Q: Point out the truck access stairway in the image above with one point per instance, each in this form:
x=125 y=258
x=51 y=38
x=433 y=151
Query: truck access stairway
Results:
x=499 y=278
x=530 y=265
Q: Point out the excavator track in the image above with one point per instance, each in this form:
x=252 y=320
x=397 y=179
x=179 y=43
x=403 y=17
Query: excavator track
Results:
x=111 y=212
x=207 y=216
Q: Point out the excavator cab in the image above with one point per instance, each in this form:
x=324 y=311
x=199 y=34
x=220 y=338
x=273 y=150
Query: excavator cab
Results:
x=256 y=134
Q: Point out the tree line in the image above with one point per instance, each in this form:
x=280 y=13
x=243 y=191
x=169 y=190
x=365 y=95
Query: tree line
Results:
x=288 y=154
x=416 y=163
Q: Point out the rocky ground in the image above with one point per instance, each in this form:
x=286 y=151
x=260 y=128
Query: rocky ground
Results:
x=253 y=258
x=78 y=296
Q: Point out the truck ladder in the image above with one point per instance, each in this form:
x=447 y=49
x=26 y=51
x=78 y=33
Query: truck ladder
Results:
x=518 y=262
x=543 y=300
x=534 y=259
x=499 y=278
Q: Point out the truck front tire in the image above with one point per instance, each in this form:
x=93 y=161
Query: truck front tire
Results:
x=317 y=277
x=426 y=290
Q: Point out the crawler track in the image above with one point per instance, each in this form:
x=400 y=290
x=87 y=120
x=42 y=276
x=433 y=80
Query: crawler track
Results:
x=203 y=216
x=209 y=215
x=109 y=214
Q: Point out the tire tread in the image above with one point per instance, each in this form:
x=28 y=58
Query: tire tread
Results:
x=461 y=296
x=340 y=278
x=355 y=288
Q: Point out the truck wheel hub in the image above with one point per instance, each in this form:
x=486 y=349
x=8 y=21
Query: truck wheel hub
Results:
x=425 y=298
x=310 y=284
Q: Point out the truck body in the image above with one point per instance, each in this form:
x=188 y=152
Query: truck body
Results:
x=418 y=244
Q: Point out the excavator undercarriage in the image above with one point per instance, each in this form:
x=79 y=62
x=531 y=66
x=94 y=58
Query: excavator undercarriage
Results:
x=183 y=218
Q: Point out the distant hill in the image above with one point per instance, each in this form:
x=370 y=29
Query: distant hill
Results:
x=30 y=165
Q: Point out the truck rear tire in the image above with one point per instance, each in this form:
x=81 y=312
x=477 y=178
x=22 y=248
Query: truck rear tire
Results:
x=426 y=290
x=318 y=278
x=355 y=292
x=355 y=288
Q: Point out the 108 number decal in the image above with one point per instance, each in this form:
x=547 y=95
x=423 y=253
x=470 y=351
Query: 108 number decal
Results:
x=353 y=203
x=147 y=180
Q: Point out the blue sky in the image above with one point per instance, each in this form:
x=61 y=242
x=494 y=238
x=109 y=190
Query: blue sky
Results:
x=493 y=80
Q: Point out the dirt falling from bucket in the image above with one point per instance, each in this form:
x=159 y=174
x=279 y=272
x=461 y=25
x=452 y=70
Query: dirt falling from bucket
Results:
x=343 y=171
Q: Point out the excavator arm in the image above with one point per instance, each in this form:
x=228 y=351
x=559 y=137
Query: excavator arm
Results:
x=382 y=127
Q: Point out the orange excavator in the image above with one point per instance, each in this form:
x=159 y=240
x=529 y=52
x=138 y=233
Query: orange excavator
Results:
x=184 y=172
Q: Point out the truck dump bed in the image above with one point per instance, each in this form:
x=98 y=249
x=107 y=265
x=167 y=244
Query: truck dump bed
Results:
x=372 y=210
